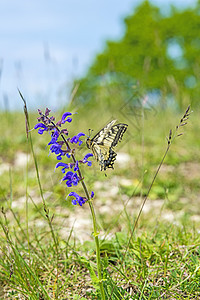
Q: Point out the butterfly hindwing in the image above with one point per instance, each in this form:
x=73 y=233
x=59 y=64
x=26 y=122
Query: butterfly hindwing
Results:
x=103 y=142
x=109 y=161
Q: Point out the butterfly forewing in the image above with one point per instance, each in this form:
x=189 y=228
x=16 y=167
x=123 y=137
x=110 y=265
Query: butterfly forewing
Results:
x=103 y=142
x=100 y=136
x=115 y=134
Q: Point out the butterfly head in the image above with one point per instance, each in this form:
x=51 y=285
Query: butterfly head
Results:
x=89 y=141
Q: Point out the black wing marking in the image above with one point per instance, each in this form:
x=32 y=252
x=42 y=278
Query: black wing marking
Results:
x=109 y=162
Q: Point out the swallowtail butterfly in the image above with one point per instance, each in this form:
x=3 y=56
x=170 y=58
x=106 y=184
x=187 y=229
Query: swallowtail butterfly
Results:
x=104 y=141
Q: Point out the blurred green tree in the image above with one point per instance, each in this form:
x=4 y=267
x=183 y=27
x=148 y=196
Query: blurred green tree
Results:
x=158 y=53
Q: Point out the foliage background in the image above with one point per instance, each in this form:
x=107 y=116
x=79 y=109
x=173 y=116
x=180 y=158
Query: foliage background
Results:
x=158 y=52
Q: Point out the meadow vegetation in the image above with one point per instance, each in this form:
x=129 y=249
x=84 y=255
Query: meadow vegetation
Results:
x=49 y=252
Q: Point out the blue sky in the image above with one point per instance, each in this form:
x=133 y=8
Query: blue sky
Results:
x=45 y=44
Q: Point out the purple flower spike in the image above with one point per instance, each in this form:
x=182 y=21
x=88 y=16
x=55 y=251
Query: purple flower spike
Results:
x=71 y=178
x=65 y=117
x=41 y=127
x=78 y=199
x=60 y=145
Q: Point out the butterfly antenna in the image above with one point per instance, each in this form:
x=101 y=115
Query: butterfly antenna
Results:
x=90 y=132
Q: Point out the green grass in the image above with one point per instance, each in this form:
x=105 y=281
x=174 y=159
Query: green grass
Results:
x=51 y=254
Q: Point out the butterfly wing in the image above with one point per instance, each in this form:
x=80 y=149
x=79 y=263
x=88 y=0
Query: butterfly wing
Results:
x=104 y=155
x=100 y=136
x=115 y=134
x=103 y=142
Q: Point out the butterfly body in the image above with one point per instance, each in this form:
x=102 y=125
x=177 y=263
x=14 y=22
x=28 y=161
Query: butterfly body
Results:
x=104 y=141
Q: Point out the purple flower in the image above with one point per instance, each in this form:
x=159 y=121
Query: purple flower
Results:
x=92 y=194
x=78 y=199
x=85 y=160
x=64 y=131
x=54 y=137
x=75 y=139
x=56 y=148
x=41 y=127
x=47 y=111
x=65 y=117
x=65 y=166
x=71 y=178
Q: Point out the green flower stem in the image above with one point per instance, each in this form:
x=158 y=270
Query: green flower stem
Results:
x=97 y=249
x=96 y=233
